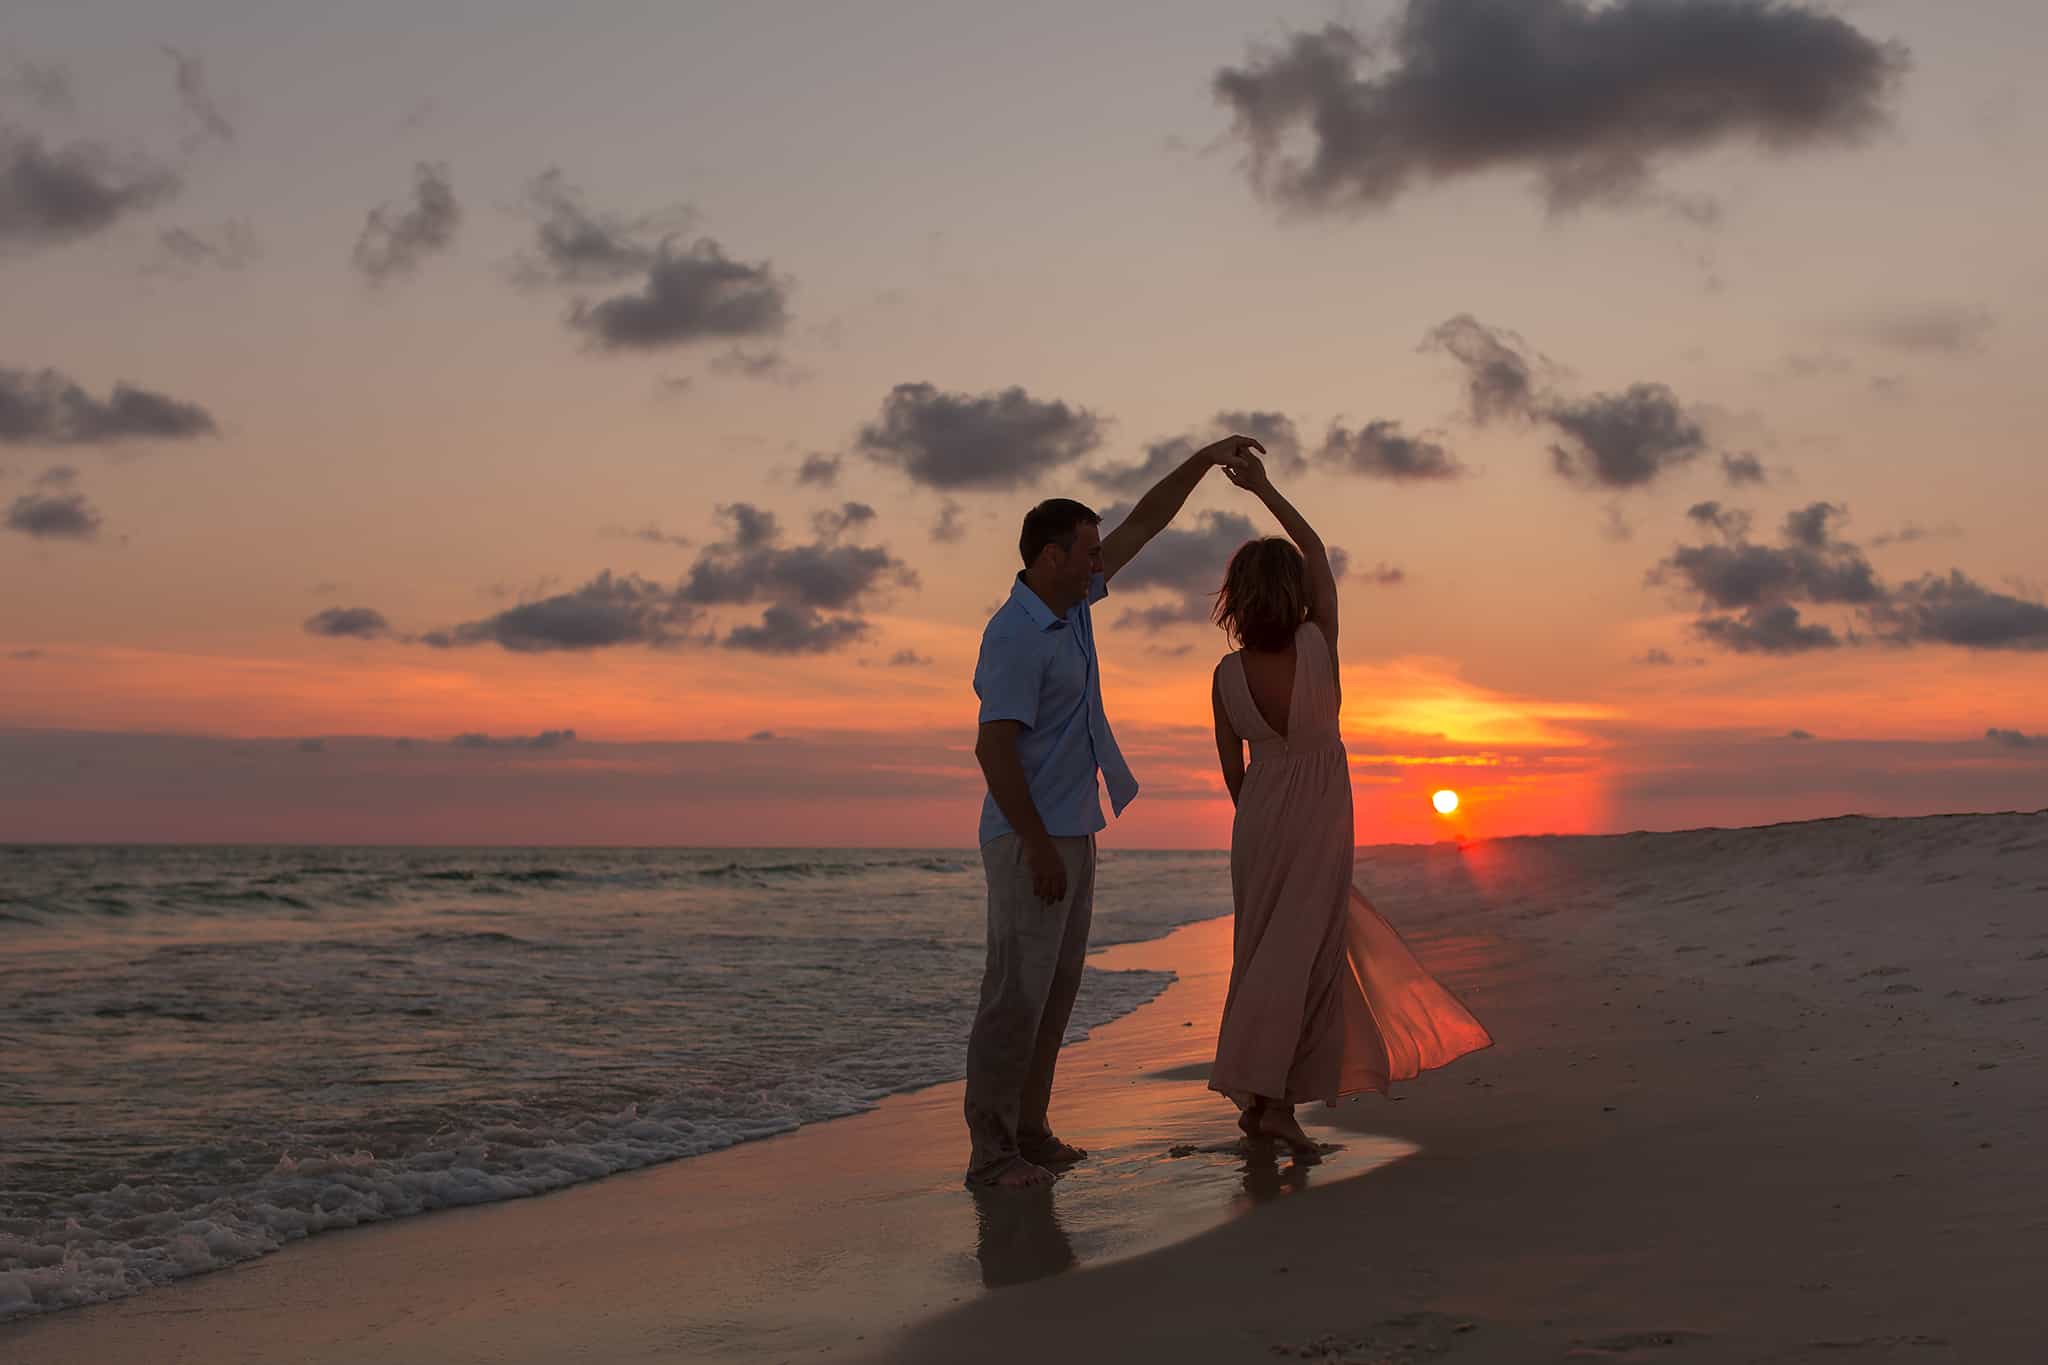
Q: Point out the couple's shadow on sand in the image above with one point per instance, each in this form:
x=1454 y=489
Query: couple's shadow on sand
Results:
x=1021 y=1236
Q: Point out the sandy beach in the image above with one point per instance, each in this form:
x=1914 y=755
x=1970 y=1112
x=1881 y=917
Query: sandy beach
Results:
x=1757 y=1095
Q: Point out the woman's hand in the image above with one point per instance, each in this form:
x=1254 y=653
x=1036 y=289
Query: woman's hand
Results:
x=1249 y=473
x=1231 y=452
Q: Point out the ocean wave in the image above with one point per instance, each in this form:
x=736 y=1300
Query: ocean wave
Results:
x=109 y=1243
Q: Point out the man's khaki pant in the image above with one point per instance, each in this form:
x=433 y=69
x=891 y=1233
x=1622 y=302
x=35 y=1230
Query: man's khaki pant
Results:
x=1035 y=955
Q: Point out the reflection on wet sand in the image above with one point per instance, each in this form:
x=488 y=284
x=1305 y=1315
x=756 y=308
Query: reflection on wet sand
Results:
x=1019 y=1236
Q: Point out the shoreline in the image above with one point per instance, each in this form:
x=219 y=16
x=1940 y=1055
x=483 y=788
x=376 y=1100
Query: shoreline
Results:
x=1768 y=1094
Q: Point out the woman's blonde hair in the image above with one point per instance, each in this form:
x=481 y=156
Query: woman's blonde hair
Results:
x=1264 y=597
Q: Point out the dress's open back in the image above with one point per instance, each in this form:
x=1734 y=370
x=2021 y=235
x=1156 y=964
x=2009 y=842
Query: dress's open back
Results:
x=1325 y=999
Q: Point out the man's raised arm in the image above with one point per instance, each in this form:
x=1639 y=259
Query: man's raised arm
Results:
x=1163 y=501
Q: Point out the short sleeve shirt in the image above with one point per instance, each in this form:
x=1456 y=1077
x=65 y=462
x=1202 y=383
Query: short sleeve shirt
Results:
x=1040 y=670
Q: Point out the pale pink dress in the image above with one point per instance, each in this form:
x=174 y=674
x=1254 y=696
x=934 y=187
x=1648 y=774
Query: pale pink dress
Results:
x=1325 y=999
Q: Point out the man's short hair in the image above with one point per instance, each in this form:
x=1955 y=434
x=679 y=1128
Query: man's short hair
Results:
x=1053 y=522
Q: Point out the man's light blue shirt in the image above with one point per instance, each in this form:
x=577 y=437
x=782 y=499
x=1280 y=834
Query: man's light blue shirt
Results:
x=1040 y=670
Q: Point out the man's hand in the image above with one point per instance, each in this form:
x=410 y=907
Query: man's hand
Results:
x=1048 y=873
x=1164 y=499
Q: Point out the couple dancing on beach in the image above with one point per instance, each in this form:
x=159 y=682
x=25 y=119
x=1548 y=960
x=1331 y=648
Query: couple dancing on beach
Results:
x=1325 y=1000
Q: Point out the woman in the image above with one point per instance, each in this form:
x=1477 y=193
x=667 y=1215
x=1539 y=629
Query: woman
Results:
x=1325 y=1000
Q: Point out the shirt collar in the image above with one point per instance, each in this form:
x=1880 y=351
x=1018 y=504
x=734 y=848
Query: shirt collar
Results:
x=1034 y=606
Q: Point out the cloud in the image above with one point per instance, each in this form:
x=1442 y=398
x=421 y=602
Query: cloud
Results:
x=353 y=623
x=1662 y=658
x=818 y=471
x=1001 y=440
x=1611 y=441
x=795 y=585
x=763 y=736
x=1956 y=610
x=44 y=407
x=197 y=98
x=949 y=528
x=785 y=629
x=1813 y=565
x=1275 y=431
x=395 y=241
x=1799 y=734
x=609 y=610
x=25 y=655
x=1186 y=562
x=575 y=244
x=57 y=476
x=650 y=534
x=1590 y=100
x=909 y=658
x=1379 y=450
x=54 y=516
x=770 y=366
x=546 y=739
x=1939 y=329
x=52 y=196
x=692 y=295
x=230 y=246
x=312 y=746
x=1500 y=381
x=1742 y=469
x=48 y=87
x=1623 y=440
x=2011 y=739
x=1912 y=533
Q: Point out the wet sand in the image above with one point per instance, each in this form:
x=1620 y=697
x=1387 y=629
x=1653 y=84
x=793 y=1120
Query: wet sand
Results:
x=1757 y=1095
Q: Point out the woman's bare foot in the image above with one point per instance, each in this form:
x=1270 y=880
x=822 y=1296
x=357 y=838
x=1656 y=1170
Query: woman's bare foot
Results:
x=1279 y=1122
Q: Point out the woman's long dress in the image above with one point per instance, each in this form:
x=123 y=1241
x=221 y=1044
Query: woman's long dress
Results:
x=1325 y=999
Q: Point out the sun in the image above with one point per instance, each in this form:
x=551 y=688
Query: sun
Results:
x=1445 y=801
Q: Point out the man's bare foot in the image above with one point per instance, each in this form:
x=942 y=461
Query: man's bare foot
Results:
x=1021 y=1174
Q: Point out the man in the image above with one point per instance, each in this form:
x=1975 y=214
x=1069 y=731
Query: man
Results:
x=1043 y=739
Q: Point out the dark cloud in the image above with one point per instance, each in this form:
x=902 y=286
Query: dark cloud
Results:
x=353 y=623
x=1813 y=565
x=818 y=471
x=1773 y=629
x=197 y=98
x=1186 y=562
x=650 y=534
x=1956 y=610
x=54 y=516
x=25 y=655
x=834 y=522
x=771 y=366
x=575 y=244
x=49 y=196
x=48 y=87
x=949 y=528
x=763 y=736
x=546 y=739
x=795 y=584
x=2011 y=739
x=1913 y=532
x=1589 y=99
x=697 y=294
x=981 y=441
x=1500 y=380
x=786 y=629
x=1799 y=734
x=1275 y=431
x=395 y=241
x=44 y=407
x=908 y=658
x=1379 y=450
x=230 y=246
x=1623 y=440
x=57 y=476
x=1742 y=469
x=1941 y=329
x=609 y=610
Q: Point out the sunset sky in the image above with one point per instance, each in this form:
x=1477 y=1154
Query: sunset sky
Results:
x=609 y=424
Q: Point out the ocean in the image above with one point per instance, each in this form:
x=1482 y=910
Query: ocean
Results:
x=207 y=1053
